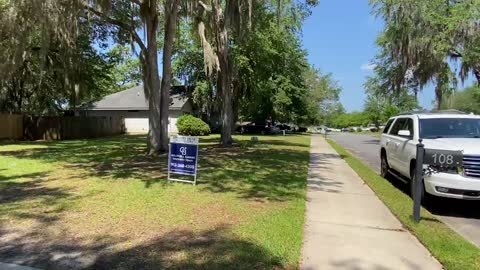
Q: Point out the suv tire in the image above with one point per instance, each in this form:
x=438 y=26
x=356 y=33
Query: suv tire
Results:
x=384 y=168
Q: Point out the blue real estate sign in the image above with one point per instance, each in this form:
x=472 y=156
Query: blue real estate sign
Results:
x=183 y=155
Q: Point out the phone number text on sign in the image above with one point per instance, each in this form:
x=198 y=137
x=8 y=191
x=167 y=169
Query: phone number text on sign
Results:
x=183 y=158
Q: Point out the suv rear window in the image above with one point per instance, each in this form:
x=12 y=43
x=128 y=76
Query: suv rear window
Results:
x=387 y=126
x=398 y=126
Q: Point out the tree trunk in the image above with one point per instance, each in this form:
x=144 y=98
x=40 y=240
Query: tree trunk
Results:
x=226 y=92
x=227 y=112
x=439 y=96
x=476 y=72
x=152 y=80
x=279 y=12
x=224 y=74
x=171 y=11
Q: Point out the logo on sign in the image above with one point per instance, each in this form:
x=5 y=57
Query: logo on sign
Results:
x=183 y=150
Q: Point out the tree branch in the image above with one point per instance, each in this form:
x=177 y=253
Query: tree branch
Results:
x=455 y=53
x=118 y=23
x=138 y=2
x=205 y=6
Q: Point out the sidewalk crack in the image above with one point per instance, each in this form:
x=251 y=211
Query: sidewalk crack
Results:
x=366 y=227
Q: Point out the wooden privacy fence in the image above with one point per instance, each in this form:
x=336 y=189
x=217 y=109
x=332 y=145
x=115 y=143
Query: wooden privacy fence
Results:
x=17 y=127
x=11 y=126
x=65 y=128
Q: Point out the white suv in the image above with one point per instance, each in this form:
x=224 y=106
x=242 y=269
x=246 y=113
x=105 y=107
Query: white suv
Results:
x=445 y=131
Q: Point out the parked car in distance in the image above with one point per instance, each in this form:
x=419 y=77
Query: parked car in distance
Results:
x=371 y=128
x=321 y=129
x=257 y=128
x=440 y=131
x=285 y=127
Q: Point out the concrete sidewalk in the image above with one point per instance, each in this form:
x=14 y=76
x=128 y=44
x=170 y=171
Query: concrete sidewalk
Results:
x=347 y=226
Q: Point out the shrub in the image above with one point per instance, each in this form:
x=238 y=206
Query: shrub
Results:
x=359 y=129
x=192 y=126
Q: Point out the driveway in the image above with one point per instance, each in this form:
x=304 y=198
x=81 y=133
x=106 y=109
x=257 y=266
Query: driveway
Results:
x=461 y=216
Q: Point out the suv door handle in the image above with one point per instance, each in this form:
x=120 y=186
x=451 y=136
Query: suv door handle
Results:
x=388 y=141
x=397 y=144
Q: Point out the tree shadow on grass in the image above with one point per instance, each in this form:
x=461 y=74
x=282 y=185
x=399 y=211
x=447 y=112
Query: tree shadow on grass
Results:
x=83 y=151
x=14 y=193
x=254 y=171
x=259 y=174
x=184 y=249
x=214 y=248
x=245 y=140
x=39 y=249
x=99 y=155
x=281 y=143
x=18 y=176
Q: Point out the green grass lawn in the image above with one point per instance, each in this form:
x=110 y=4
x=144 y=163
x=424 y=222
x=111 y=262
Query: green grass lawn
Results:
x=103 y=203
x=447 y=246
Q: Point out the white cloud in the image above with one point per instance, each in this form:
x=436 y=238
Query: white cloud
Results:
x=368 y=66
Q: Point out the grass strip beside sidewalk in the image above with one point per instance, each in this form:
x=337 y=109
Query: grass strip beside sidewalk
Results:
x=452 y=250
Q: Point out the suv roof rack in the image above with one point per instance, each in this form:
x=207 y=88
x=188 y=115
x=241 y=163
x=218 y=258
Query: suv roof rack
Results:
x=414 y=112
x=451 y=111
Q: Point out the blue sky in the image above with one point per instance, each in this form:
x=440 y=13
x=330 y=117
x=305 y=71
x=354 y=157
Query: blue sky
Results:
x=339 y=37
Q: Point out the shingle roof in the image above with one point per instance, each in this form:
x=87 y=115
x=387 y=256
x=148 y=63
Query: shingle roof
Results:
x=134 y=99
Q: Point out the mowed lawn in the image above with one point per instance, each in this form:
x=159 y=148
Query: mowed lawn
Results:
x=104 y=204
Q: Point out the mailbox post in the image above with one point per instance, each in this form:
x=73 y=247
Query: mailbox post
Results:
x=417 y=184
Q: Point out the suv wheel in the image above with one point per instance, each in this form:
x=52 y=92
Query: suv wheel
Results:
x=384 y=167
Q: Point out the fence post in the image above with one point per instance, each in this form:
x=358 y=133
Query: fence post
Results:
x=417 y=185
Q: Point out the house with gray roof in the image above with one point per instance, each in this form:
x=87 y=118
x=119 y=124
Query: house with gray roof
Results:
x=133 y=106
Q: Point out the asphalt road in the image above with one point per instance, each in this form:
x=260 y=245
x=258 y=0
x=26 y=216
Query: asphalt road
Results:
x=461 y=216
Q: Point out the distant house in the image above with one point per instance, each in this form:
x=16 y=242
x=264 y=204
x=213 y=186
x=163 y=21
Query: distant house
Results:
x=133 y=106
